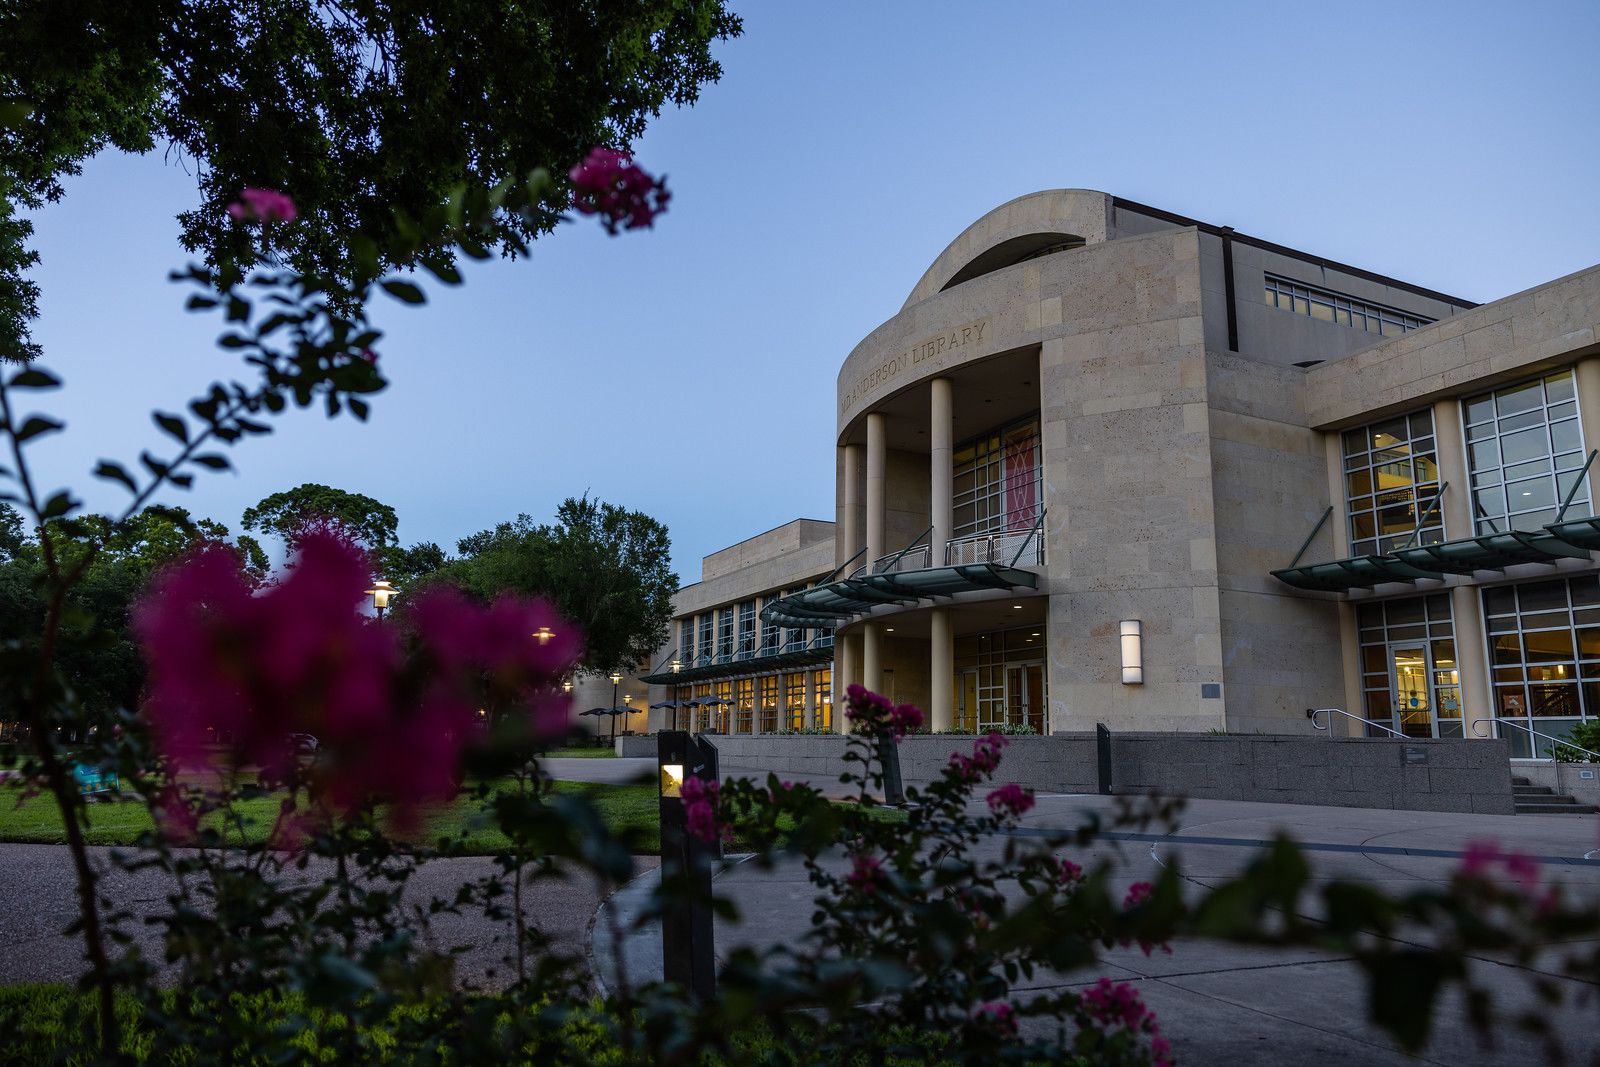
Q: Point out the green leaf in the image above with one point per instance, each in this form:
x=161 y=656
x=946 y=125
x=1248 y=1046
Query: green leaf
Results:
x=115 y=472
x=33 y=378
x=57 y=506
x=359 y=408
x=199 y=303
x=442 y=269
x=404 y=291
x=1403 y=988
x=212 y=461
x=172 y=425
x=36 y=425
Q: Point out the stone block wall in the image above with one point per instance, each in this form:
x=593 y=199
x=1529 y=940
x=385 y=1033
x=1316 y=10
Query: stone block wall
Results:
x=1420 y=775
x=1417 y=775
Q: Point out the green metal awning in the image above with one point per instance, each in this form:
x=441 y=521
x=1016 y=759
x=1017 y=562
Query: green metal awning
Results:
x=812 y=654
x=1489 y=552
x=824 y=605
x=1340 y=575
x=1584 y=533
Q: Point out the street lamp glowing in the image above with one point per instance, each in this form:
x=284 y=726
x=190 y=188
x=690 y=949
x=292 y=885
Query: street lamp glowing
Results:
x=544 y=635
x=381 y=593
x=676 y=666
x=566 y=687
x=616 y=677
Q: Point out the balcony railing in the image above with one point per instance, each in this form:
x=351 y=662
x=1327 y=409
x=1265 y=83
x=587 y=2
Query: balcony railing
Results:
x=1008 y=549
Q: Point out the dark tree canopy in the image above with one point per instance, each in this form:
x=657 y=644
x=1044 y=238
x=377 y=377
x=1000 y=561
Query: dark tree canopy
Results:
x=358 y=109
x=606 y=568
x=96 y=653
x=285 y=514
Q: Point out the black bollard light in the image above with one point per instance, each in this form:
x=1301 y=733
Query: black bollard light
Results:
x=688 y=937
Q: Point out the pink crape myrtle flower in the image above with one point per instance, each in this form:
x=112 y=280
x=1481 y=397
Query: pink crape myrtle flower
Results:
x=700 y=809
x=1069 y=874
x=877 y=714
x=999 y=1016
x=609 y=184
x=1010 y=800
x=1138 y=893
x=983 y=761
x=866 y=872
x=1111 y=1004
x=263 y=205
x=1481 y=857
x=233 y=672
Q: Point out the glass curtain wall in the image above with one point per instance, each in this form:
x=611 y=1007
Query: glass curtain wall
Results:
x=1544 y=648
x=997 y=480
x=705 y=646
x=1391 y=478
x=1525 y=449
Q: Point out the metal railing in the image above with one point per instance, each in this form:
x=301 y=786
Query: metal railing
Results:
x=1004 y=548
x=1327 y=723
x=1594 y=757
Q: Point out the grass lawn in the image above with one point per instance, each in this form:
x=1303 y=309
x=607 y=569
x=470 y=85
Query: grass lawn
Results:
x=630 y=811
x=584 y=752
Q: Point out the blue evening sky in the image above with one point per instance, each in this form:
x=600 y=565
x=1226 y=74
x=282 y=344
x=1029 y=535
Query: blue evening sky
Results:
x=690 y=371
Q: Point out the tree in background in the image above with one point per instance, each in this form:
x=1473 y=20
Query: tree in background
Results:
x=371 y=523
x=97 y=653
x=606 y=568
x=370 y=113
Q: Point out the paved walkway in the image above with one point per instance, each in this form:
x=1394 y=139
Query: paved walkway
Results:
x=40 y=890
x=1224 y=1003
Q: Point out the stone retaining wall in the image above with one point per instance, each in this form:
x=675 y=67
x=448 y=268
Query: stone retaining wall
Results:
x=1420 y=775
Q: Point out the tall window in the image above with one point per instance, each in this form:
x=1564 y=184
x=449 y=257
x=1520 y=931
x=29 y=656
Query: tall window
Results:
x=1544 y=645
x=794 y=699
x=768 y=704
x=825 y=698
x=1391 y=479
x=707 y=645
x=794 y=640
x=996 y=482
x=771 y=635
x=1525 y=448
x=743 y=704
x=747 y=629
x=686 y=642
x=725 y=633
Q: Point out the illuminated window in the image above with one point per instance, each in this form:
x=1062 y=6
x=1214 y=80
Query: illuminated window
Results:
x=1544 y=653
x=768 y=704
x=1391 y=479
x=1409 y=676
x=825 y=699
x=794 y=700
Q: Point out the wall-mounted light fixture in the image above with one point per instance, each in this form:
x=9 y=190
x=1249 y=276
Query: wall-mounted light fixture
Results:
x=1132 y=652
x=672 y=779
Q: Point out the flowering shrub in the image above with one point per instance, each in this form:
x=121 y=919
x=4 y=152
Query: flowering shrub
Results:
x=609 y=184
x=262 y=205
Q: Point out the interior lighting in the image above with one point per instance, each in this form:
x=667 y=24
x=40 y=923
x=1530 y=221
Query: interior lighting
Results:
x=1132 y=634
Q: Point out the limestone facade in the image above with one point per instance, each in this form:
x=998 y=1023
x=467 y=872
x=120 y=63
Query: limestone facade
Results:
x=1090 y=413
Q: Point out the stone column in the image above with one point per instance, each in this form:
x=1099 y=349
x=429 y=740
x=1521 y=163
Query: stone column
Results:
x=940 y=431
x=876 y=462
x=844 y=672
x=942 y=670
x=810 y=718
x=1472 y=659
x=1339 y=521
x=1457 y=503
x=1350 y=650
x=1587 y=374
x=849 y=538
x=871 y=657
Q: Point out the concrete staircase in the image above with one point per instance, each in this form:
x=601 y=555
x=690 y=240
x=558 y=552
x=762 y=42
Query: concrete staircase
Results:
x=1542 y=800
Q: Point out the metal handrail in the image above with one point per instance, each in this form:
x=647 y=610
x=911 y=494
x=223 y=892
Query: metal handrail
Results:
x=1312 y=713
x=1594 y=756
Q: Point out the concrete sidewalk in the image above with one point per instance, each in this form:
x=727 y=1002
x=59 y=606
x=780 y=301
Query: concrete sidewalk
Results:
x=1222 y=1003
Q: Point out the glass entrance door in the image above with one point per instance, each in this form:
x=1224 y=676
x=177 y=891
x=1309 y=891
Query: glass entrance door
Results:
x=1409 y=677
x=1025 y=695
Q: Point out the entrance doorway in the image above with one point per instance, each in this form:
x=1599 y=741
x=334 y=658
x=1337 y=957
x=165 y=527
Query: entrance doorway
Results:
x=1425 y=689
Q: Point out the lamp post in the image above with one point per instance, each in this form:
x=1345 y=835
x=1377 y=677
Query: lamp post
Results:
x=627 y=702
x=616 y=680
x=381 y=592
x=688 y=950
x=677 y=666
